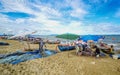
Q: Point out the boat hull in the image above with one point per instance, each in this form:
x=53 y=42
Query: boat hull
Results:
x=66 y=48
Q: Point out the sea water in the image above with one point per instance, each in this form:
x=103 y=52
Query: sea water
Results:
x=109 y=39
x=113 y=40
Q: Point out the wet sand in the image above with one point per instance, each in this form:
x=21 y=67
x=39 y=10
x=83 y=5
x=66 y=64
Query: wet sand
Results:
x=63 y=63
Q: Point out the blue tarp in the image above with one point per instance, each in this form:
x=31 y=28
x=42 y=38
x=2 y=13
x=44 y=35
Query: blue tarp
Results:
x=17 y=57
x=90 y=37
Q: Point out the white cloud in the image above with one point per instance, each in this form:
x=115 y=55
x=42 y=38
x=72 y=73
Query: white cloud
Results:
x=41 y=16
x=20 y=21
x=105 y=28
x=15 y=6
x=78 y=13
x=100 y=28
x=43 y=23
x=79 y=9
x=27 y=7
x=50 y=11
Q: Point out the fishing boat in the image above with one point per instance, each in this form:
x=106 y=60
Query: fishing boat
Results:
x=66 y=47
x=3 y=43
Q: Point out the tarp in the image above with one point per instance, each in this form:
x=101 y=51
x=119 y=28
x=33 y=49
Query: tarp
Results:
x=17 y=57
x=85 y=38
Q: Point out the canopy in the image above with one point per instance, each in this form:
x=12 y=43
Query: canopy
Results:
x=22 y=34
x=85 y=38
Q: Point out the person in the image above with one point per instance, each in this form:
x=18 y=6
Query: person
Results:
x=79 y=48
x=97 y=51
x=111 y=48
x=41 y=46
x=84 y=46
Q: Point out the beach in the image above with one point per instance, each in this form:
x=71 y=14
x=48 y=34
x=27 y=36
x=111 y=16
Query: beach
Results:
x=59 y=37
x=62 y=63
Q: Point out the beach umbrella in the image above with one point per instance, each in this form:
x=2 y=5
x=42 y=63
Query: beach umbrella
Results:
x=23 y=35
x=90 y=37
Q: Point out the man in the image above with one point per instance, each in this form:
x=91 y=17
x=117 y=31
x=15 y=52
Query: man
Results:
x=41 y=46
x=79 y=47
x=97 y=51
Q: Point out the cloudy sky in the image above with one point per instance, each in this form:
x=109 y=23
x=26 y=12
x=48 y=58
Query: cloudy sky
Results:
x=60 y=16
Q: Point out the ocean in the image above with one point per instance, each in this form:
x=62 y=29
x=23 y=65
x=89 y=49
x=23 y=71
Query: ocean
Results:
x=109 y=39
x=113 y=40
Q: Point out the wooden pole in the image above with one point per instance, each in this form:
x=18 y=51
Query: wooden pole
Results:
x=68 y=43
x=28 y=44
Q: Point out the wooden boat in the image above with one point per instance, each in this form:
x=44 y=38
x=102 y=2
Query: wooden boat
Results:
x=3 y=43
x=106 y=50
x=53 y=42
x=66 y=48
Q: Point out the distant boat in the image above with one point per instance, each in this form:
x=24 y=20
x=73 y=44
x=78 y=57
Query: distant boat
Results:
x=53 y=42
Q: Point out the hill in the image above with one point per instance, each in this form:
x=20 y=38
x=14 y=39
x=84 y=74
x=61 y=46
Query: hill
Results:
x=68 y=36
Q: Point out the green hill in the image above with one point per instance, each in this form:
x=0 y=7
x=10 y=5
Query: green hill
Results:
x=68 y=36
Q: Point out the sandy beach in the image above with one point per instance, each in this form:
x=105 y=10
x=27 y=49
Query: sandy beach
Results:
x=63 y=63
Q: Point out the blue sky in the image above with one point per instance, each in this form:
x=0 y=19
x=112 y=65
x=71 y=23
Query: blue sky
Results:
x=60 y=16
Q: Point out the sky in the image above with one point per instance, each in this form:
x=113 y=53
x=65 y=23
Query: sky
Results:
x=60 y=16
